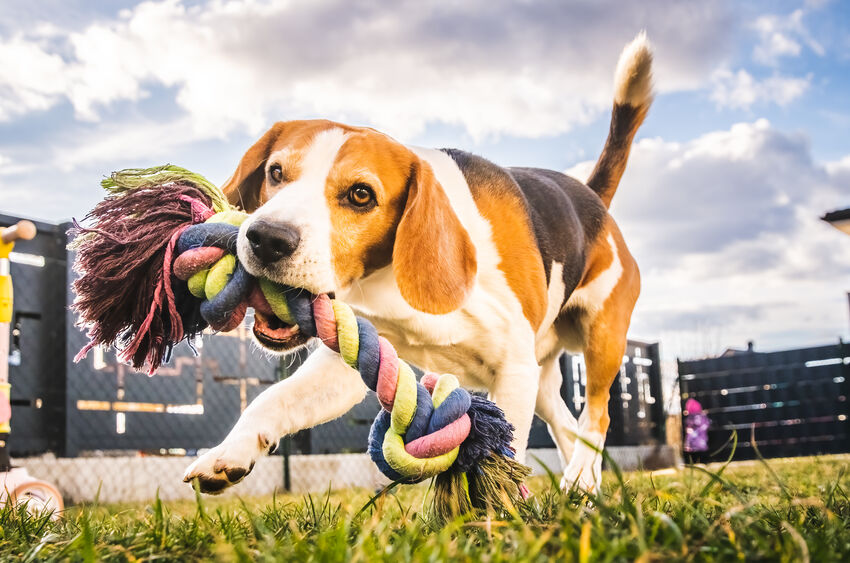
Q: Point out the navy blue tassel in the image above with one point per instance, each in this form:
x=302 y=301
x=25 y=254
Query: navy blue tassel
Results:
x=490 y=433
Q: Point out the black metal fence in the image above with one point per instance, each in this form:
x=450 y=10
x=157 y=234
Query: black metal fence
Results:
x=102 y=407
x=636 y=405
x=783 y=404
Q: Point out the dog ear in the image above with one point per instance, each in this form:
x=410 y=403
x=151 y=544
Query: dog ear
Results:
x=244 y=186
x=434 y=261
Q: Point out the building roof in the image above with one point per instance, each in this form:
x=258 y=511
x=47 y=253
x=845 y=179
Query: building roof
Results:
x=840 y=219
x=736 y=352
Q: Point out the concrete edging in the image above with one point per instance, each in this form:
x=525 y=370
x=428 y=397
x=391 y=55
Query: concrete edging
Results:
x=138 y=478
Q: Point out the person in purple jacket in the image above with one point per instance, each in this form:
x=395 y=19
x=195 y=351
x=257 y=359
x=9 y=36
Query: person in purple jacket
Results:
x=696 y=427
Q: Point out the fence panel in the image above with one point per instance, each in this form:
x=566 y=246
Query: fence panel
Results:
x=784 y=404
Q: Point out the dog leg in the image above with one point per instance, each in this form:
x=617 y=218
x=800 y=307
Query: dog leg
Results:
x=322 y=389
x=554 y=411
x=515 y=392
x=603 y=364
x=603 y=356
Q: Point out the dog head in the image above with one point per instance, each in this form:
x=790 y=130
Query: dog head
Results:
x=331 y=204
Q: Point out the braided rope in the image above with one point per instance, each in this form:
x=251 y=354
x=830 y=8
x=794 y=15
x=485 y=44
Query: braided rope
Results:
x=418 y=433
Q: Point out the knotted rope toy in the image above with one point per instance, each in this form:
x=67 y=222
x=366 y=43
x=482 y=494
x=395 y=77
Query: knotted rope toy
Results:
x=159 y=265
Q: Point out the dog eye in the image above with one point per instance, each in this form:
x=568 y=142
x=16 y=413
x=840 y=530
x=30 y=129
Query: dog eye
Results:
x=361 y=195
x=276 y=173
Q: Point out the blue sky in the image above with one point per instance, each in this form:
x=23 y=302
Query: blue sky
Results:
x=746 y=144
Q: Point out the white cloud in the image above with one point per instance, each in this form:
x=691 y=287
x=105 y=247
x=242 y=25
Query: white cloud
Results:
x=10 y=166
x=725 y=228
x=840 y=170
x=31 y=79
x=517 y=69
x=783 y=36
x=141 y=139
x=740 y=90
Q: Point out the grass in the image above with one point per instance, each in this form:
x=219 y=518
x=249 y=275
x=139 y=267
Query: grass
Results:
x=791 y=510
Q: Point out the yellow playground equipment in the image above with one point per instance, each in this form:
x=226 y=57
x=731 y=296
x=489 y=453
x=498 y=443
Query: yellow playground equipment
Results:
x=16 y=485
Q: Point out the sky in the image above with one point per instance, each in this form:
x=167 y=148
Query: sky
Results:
x=745 y=147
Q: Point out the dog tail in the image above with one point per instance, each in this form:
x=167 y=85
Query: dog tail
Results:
x=632 y=98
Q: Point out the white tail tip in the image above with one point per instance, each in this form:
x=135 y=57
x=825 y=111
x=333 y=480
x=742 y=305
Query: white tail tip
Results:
x=633 y=77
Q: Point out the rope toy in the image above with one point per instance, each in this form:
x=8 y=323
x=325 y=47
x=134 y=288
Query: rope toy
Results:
x=159 y=265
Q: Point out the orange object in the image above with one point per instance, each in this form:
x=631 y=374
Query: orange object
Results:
x=24 y=230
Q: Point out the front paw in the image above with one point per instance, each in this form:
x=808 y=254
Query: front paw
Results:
x=583 y=479
x=228 y=463
x=584 y=471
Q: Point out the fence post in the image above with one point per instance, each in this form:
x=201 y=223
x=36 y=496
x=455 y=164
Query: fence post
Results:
x=657 y=391
x=58 y=439
x=286 y=441
x=616 y=428
x=844 y=353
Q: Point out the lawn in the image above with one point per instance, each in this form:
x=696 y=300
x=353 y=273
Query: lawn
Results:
x=783 y=510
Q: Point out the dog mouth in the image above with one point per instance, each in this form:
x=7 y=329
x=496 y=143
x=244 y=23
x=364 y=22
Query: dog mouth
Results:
x=275 y=335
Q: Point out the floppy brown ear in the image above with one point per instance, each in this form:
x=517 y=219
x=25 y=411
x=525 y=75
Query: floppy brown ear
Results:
x=243 y=187
x=434 y=260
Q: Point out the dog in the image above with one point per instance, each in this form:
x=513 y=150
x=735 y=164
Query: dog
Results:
x=466 y=267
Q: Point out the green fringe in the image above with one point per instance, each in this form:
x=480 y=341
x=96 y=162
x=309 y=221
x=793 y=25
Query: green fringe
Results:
x=494 y=487
x=158 y=176
x=451 y=496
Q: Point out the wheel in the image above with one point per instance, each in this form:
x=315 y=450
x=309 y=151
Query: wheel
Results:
x=39 y=496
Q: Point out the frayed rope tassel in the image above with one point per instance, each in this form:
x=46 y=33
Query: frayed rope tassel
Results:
x=159 y=265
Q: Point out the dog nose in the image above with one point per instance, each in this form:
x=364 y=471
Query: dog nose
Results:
x=271 y=242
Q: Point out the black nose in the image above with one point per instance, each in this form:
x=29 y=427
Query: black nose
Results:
x=271 y=242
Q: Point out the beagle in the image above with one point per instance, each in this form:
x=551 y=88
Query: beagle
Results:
x=469 y=268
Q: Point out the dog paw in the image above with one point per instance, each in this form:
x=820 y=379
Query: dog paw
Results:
x=582 y=480
x=228 y=463
x=583 y=473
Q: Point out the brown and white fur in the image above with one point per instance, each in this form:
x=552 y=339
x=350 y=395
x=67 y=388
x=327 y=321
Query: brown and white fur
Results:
x=468 y=268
